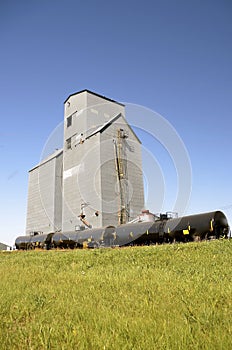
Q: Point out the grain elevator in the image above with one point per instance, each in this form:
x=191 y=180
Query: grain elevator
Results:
x=96 y=180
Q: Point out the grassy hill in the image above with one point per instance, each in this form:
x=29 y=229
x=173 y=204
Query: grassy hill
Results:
x=159 y=297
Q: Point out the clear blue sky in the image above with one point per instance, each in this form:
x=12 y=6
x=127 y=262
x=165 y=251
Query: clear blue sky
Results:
x=174 y=57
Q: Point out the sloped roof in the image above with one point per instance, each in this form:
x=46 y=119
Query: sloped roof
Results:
x=51 y=156
x=108 y=123
x=93 y=93
x=3 y=246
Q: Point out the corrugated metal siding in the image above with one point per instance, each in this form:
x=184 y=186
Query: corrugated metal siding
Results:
x=76 y=107
x=81 y=183
x=58 y=194
x=42 y=191
x=110 y=194
x=82 y=163
x=101 y=110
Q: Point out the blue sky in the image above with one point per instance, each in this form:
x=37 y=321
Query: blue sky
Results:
x=173 y=57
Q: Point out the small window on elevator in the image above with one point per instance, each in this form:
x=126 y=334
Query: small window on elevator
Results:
x=69 y=121
x=68 y=143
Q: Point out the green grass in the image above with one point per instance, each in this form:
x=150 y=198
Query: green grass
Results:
x=159 y=297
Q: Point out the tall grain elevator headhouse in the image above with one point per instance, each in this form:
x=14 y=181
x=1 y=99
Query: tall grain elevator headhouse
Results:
x=97 y=179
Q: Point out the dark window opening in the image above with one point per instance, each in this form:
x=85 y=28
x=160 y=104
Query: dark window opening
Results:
x=68 y=143
x=69 y=121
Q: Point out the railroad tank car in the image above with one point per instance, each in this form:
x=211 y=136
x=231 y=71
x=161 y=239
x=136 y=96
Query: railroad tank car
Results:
x=147 y=229
x=186 y=228
x=22 y=242
x=31 y=242
x=135 y=232
x=42 y=241
x=197 y=227
x=81 y=238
